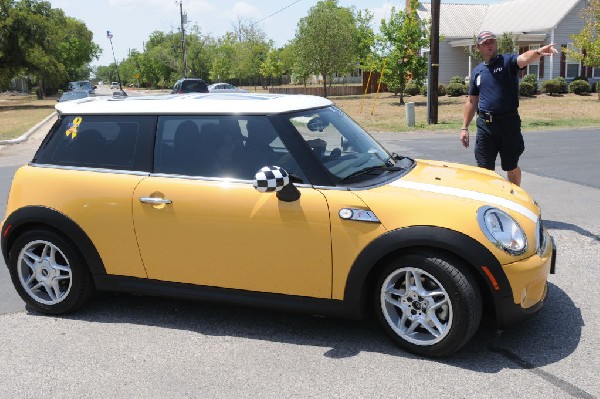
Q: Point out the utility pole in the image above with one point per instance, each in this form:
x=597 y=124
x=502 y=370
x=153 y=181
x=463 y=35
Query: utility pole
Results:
x=183 y=22
x=434 y=64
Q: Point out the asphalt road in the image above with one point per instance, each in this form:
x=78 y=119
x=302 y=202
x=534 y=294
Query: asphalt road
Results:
x=140 y=347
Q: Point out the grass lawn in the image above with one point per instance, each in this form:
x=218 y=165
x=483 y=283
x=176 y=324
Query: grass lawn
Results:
x=382 y=114
x=385 y=114
x=20 y=113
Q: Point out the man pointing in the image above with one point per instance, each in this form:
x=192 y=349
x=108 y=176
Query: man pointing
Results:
x=494 y=96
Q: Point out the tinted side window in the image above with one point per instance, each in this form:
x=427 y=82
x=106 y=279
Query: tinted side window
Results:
x=109 y=142
x=220 y=146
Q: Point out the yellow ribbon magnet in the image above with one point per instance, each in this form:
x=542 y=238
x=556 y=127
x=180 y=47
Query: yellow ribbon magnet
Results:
x=73 y=126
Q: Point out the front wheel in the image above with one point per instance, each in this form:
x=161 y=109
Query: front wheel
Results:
x=428 y=305
x=49 y=273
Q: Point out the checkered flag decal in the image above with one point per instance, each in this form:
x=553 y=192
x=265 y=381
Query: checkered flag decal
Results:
x=271 y=178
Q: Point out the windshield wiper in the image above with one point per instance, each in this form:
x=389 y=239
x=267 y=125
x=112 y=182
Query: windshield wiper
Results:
x=370 y=169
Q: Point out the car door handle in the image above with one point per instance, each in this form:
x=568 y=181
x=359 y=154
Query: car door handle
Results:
x=155 y=201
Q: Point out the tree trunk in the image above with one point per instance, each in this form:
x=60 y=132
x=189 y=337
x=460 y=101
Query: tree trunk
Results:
x=324 y=86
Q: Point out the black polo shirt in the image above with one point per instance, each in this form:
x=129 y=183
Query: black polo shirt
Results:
x=497 y=84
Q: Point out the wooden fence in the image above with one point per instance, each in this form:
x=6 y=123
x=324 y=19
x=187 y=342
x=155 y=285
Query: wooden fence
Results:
x=318 y=90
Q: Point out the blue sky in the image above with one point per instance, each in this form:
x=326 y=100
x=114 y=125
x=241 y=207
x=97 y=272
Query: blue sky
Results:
x=132 y=21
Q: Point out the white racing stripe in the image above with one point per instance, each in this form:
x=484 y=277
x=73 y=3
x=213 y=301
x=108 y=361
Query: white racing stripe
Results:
x=458 y=192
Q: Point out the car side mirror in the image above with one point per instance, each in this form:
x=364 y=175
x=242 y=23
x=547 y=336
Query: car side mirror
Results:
x=273 y=178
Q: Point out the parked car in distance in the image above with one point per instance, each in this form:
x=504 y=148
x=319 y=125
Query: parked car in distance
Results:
x=74 y=95
x=82 y=85
x=224 y=88
x=114 y=85
x=270 y=200
x=189 y=85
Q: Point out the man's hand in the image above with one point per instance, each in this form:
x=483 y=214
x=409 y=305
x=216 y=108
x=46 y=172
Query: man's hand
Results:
x=464 y=138
x=548 y=50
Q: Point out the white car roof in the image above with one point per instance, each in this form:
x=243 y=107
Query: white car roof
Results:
x=193 y=103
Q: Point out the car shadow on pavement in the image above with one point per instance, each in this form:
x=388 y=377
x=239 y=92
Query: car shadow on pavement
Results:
x=547 y=338
x=550 y=224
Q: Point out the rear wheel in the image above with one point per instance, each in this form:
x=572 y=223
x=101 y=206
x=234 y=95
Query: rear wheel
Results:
x=49 y=273
x=427 y=304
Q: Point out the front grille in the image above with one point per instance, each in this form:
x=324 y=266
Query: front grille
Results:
x=540 y=237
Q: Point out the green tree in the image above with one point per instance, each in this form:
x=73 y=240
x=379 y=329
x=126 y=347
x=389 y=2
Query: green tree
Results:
x=272 y=66
x=297 y=67
x=198 y=53
x=163 y=57
x=251 y=50
x=326 y=40
x=44 y=44
x=403 y=37
x=223 y=56
x=587 y=41
x=365 y=37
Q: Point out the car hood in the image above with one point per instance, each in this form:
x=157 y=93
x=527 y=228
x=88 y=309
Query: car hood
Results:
x=454 y=178
x=447 y=195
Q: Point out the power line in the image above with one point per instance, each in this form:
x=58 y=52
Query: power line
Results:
x=277 y=12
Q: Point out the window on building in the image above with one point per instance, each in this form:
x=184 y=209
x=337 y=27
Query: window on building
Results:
x=596 y=72
x=573 y=66
x=534 y=67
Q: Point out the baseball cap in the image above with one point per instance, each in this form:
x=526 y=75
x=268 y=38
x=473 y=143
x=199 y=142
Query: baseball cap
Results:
x=485 y=35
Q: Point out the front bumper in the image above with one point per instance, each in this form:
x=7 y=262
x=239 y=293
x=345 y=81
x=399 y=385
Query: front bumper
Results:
x=529 y=283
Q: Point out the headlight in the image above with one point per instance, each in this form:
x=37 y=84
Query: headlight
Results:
x=502 y=230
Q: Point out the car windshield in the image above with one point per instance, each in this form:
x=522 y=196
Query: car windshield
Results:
x=73 y=95
x=343 y=147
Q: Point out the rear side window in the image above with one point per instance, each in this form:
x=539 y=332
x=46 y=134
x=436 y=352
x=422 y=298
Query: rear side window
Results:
x=194 y=86
x=108 y=142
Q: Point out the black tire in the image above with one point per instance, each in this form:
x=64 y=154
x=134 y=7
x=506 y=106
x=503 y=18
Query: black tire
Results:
x=447 y=302
x=49 y=273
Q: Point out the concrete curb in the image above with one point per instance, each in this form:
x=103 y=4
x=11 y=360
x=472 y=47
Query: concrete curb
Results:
x=28 y=133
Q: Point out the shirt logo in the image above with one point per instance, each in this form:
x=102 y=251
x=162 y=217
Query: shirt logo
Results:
x=478 y=80
x=496 y=70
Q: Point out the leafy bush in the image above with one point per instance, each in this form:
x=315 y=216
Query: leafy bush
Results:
x=532 y=79
x=441 y=90
x=579 y=87
x=456 y=89
x=562 y=84
x=551 y=86
x=526 y=89
x=554 y=86
x=581 y=78
x=457 y=79
x=594 y=87
x=411 y=89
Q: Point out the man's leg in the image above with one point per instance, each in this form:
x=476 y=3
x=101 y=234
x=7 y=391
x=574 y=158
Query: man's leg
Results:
x=486 y=146
x=512 y=148
x=514 y=176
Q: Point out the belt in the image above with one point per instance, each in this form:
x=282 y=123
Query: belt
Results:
x=490 y=116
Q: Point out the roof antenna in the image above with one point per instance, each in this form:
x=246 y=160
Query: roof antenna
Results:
x=121 y=92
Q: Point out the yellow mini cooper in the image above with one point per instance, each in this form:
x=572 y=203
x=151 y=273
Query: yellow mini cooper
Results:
x=270 y=200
